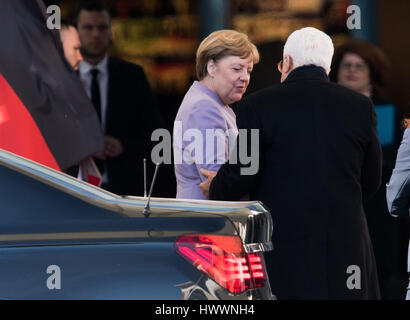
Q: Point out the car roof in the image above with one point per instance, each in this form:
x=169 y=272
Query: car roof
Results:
x=101 y=197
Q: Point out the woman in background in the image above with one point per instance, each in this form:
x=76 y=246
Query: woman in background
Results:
x=205 y=125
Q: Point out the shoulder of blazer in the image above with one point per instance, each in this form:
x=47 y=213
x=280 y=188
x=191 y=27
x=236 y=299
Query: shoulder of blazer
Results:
x=274 y=91
x=120 y=67
x=346 y=92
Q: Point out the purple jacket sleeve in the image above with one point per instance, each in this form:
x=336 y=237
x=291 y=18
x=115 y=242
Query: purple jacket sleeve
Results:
x=208 y=130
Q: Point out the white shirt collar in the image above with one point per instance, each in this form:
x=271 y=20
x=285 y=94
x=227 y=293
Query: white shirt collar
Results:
x=102 y=66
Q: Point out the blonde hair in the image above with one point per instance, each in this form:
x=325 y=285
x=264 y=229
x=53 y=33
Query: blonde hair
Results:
x=220 y=44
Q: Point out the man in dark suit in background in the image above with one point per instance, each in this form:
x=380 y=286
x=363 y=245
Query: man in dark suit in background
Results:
x=319 y=156
x=123 y=99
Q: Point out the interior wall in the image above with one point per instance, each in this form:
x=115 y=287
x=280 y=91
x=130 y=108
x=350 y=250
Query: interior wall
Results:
x=394 y=30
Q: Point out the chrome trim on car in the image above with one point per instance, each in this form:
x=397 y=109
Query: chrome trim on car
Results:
x=258 y=247
x=252 y=220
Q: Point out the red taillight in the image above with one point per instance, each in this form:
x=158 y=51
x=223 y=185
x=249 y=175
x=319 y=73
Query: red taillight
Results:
x=223 y=259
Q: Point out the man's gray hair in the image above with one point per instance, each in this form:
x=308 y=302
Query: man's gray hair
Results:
x=309 y=46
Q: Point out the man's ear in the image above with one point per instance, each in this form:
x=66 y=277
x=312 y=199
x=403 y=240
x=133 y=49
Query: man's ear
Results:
x=211 y=67
x=287 y=64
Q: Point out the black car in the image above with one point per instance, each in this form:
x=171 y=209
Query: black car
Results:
x=61 y=238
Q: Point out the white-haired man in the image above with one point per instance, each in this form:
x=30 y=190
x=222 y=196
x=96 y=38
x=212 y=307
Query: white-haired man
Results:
x=319 y=156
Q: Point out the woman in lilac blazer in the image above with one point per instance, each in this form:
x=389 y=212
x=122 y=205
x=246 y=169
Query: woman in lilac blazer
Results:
x=205 y=126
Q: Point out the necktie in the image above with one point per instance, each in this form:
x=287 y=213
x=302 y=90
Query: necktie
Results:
x=96 y=100
x=95 y=92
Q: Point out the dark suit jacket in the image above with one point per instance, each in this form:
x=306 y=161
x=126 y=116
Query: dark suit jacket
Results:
x=131 y=117
x=319 y=156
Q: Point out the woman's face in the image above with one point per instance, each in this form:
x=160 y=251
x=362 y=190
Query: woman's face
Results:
x=230 y=77
x=354 y=73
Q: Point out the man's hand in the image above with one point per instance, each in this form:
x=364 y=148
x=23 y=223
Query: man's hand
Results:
x=204 y=186
x=112 y=147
